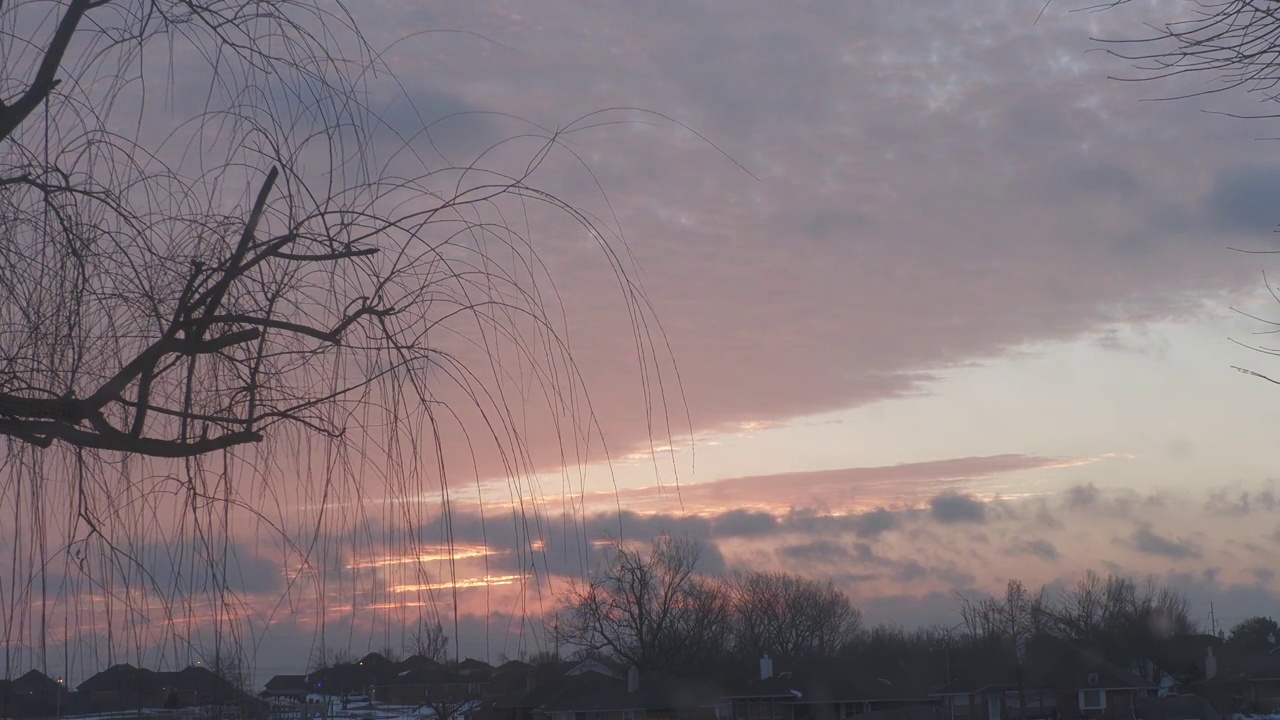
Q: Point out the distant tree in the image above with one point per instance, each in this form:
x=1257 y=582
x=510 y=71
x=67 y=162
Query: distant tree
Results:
x=324 y=657
x=448 y=700
x=1014 y=618
x=430 y=641
x=790 y=616
x=1124 y=617
x=544 y=658
x=1254 y=633
x=231 y=665
x=648 y=609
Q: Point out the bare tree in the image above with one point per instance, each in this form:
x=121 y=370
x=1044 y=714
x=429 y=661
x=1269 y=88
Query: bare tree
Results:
x=1119 y=612
x=1233 y=41
x=648 y=609
x=274 y=288
x=430 y=641
x=453 y=698
x=790 y=616
x=1233 y=46
x=1082 y=610
x=1015 y=618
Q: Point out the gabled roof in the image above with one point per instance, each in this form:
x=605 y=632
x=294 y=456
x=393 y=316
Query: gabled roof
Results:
x=1050 y=663
x=287 y=683
x=608 y=668
x=34 y=681
x=117 y=678
x=593 y=692
x=471 y=666
x=1251 y=666
x=127 y=678
x=835 y=681
x=511 y=681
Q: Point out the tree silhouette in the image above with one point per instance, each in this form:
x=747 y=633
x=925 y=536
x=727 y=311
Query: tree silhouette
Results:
x=1232 y=41
x=1255 y=633
x=1234 y=46
x=234 y=299
x=791 y=617
x=648 y=609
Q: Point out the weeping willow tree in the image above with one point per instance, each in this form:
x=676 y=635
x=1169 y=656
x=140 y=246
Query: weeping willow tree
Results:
x=1230 y=44
x=254 y=338
x=1226 y=46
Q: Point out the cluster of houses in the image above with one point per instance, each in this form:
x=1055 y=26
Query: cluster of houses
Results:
x=1201 y=678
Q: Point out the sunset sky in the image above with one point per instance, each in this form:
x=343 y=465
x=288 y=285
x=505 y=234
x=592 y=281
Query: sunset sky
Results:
x=947 y=304
x=973 y=320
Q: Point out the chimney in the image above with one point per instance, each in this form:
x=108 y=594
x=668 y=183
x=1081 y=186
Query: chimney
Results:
x=633 y=679
x=766 y=667
x=1210 y=665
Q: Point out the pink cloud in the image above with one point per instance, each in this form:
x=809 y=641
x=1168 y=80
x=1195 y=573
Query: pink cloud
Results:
x=845 y=489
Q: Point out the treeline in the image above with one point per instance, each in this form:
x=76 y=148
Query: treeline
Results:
x=652 y=608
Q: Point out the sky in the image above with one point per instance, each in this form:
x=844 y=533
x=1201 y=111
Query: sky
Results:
x=971 y=301
x=938 y=302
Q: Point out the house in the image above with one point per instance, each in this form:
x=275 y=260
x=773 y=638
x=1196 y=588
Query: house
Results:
x=1241 y=681
x=419 y=681
x=406 y=686
x=125 y=687
x=34 y=694
x=1174 y=707
x=828 y=691
x=511 y=699
x=508 y=686
x=291 y=687
x=342 y=680
x=1047 y=678
x=651 y=696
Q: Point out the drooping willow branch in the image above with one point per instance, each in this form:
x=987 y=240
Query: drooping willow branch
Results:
x=1235 y=42
x=195 y=350
x=198 y=326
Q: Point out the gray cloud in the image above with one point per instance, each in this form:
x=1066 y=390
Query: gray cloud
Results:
x=1082 y=496
x=1041 y=548
x=744 y=523
x=875 y=522
x=956 y=508
x=1244 y=199
x=876 y=172
x=453 y=127
x=816 y=551
x=1101 y=178
x=1144 y=539
x=1228 y=501
x=191 y=567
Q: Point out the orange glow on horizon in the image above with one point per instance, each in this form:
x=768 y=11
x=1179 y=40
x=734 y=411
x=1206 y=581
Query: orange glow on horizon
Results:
x=485 y=581
x=462 y=552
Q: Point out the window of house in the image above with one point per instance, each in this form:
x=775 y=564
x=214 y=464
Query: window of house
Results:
x=1093 y=700
x=628 y=715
